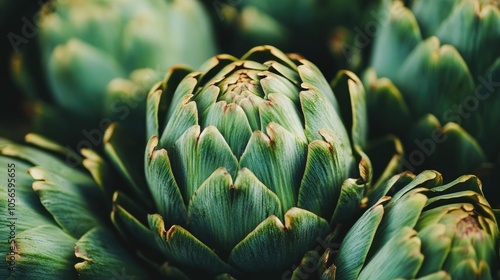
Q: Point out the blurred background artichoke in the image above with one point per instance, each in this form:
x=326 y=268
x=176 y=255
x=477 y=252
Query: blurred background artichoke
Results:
x=434 y=81
x=86 y=63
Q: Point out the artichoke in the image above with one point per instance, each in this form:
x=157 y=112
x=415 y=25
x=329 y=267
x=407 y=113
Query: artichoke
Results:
x=55 y=218
x=433 y=81
x=85 y=45
x=249 y=164
x=426 y=230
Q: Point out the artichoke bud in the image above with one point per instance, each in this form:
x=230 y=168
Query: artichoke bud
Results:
x=447 y=229
x=87 y=44
x=248 y=162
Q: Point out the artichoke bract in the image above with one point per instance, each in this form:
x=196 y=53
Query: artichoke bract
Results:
x=433 y=81
x=55 y=218
x=426 y=230
x=248 y=164
x=86 y=44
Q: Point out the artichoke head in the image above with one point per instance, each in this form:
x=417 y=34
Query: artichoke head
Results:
x=86 y=44
x=426 y=230
x=248 y=164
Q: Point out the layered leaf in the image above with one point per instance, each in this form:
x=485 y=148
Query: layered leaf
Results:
x=274 y=245
x=241 y=206
x=180 y=246
x=277 y=159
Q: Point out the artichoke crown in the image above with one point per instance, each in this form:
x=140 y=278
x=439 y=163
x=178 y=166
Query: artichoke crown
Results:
x=248 y=162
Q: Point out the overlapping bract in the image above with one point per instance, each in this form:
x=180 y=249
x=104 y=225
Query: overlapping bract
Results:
x=426 y=230
x=57 y=226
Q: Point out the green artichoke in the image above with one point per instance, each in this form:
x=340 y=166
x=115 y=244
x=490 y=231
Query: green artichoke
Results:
x=85 y=45
x=426 y=230
x=248 y=163
x=433 y=82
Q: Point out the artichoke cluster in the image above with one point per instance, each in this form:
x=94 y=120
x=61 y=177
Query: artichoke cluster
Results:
x=305 y=139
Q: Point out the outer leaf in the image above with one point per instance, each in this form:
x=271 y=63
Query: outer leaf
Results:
x=356 y=244
x=386 y=105
x=272 y=246
x=74 y=207
x=349 y=202
x=451 y=142
x=431 y=19
x=181 y=247
x=323 y=176
x=162 y=184
x=65 y=66
x=44 y=252
x=130 y=221
x=159 y=99
x=240 y=208
x=468 y=153
x=278 y=83
x=105 y=258
x=265 y=53
x=153 y=112
x=49 y=162
x=27 y=203
x=185 y=116
x=179 y=89
x=403 y=249
x=277 y=160
x=426 y=179
x=402 y=213
x=349 y=89
x=103 y=175
x=127 y=159
x=313 y=80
